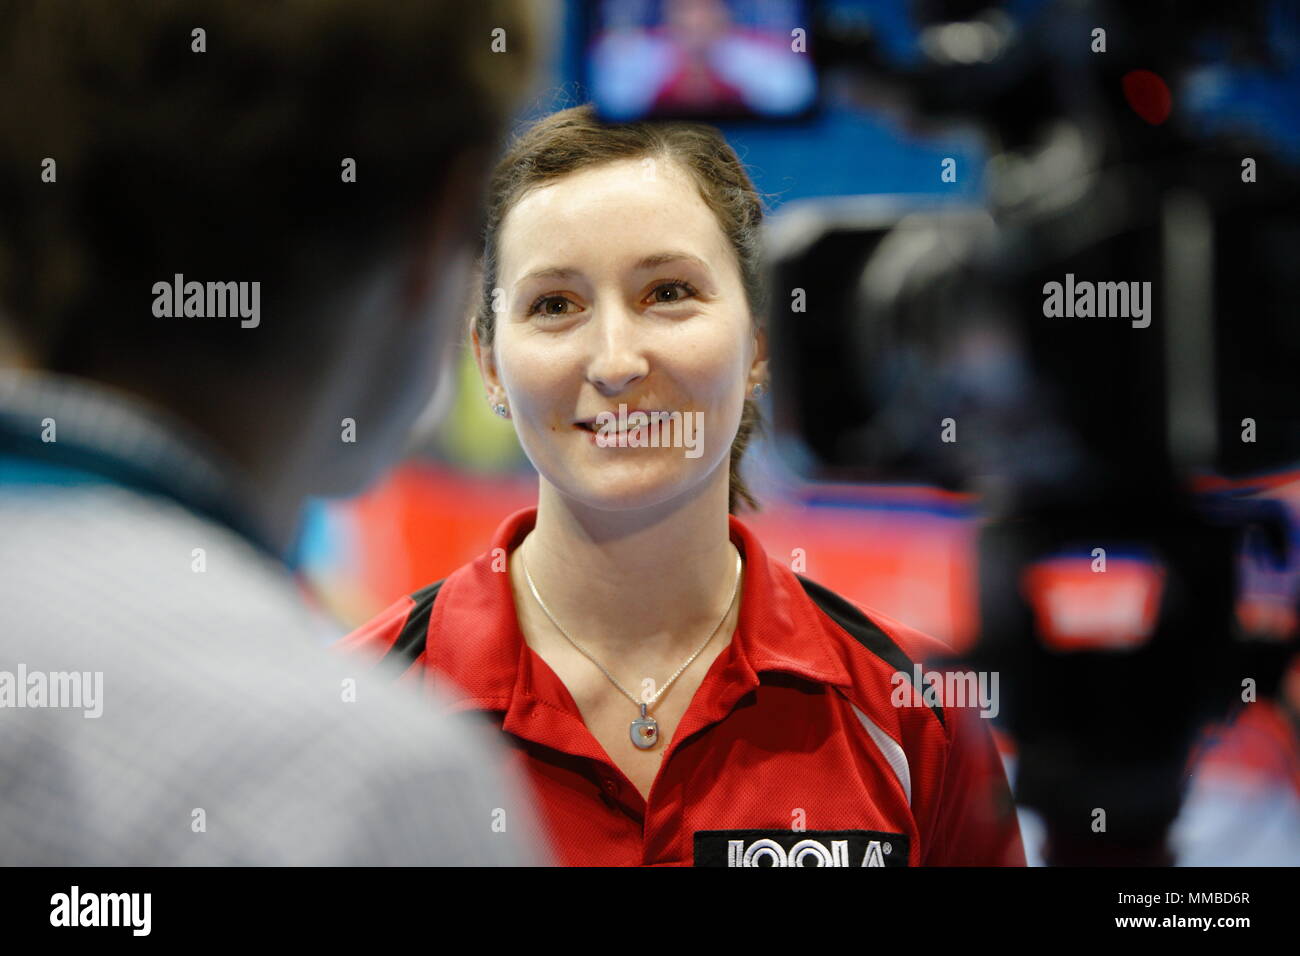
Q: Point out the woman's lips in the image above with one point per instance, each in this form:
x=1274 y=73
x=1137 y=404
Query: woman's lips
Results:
x=595 y=422
x=617 y=439
x=610 y=439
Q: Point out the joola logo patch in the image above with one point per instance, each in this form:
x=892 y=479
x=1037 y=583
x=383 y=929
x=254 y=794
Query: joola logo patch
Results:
x=800 y=848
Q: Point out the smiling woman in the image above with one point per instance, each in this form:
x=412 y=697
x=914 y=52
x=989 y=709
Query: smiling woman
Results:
x=600 y=312
x=672 y=202
x=621 y=272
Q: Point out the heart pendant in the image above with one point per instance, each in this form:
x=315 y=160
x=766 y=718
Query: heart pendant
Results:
x=645 y=731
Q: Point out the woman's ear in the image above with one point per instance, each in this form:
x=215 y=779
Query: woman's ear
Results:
x=487 y=367
x=758 y=368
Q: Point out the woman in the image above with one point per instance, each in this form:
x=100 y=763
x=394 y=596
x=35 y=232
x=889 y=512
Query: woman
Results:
x=674 y=695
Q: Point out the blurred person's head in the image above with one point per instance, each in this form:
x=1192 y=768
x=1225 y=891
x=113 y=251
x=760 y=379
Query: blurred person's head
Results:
x=697 y=24
x=627 y=260
x=233 y=165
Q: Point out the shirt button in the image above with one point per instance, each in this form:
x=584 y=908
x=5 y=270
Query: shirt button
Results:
x=611 y=787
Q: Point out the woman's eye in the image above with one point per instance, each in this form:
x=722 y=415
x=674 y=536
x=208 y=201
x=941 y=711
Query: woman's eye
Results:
x=550 y=305
x=669 y=292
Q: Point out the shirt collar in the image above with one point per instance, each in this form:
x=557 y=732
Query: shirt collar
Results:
x=74 y=424
x=777 y=630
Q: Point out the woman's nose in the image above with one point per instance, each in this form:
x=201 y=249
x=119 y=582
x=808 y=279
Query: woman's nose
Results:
x=617 y=360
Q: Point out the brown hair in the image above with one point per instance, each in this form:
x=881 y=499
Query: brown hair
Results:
x=572 y=140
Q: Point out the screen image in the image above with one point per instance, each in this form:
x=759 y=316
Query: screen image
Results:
x=700 y=58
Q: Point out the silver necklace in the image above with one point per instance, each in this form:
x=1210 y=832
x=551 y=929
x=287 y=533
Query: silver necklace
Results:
x=645 y=729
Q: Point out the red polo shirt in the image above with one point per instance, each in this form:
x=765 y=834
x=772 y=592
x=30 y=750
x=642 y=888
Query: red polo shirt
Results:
x=790 y=753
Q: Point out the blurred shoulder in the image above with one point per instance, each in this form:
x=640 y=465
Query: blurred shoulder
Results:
x=220 y=701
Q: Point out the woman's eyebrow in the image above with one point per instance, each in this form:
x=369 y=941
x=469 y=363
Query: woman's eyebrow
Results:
x=554 y=272
x=648 y=262
x=663 y=258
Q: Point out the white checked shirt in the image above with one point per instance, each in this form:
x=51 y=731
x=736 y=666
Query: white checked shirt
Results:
x=227 y=735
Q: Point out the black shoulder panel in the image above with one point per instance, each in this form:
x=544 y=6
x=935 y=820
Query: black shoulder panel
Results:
x=862 y=629
x=410 y=642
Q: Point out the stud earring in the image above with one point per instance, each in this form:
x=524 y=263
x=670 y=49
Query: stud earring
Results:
x=758 y=390
x=501 y=410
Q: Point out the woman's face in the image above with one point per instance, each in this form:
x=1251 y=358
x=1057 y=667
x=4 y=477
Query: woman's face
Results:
x=619 y=288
